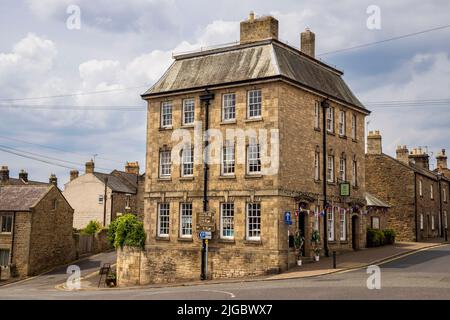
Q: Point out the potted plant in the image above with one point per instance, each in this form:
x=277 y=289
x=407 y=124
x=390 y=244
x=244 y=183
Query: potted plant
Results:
x=111 y=279
x=315 y=241
x=299 y=240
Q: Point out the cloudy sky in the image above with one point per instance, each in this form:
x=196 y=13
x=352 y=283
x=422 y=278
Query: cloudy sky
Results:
x=123 y=47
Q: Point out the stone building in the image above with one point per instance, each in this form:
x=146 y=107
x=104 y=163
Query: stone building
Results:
x=36 y=229
x=22 y=179
x=261 y=83
x=418 y=196
x=377 y=212
x=102 y=197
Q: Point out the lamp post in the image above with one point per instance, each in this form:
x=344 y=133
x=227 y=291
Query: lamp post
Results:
x=325 y=105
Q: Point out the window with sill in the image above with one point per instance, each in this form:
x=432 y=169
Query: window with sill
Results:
x=330 y=119
x=354 y=173
x=229 y=107
x=317 y=115
x=188 y=111
x=353 y=127
x=253 y=221
x=330 y=169
x=444 y=194
x=421 y=221
x=330 y=224
x=166 y=114
x=316 y=218
x=254 y=108
x=445 y=220
x=253 y=159
x=100 y=199
x=316 y=166
x=343 y=223
x=228 y=159
x=163 y=219
x=127 y=201
x=342 y=123
x=227 y=221
x=432 y=222
x=4 y=257
x=165 y=164
x=431 y=192
x=6 y=223
x=186 y=220
x=342 y=169
x=420 y=188
x=187 y=162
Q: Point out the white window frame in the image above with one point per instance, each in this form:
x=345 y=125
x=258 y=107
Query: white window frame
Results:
x=316 y=224
x=316 y=165
x=445 y=220
x=317 y=115
x=127 y=201
x=330 y=119
x=254 y=104
x=342 y=123
x=253 y=221
x=101 y=198
x=330 y=168
x=378 y=223
x=421 y=221
x=353 y=126
x=343 y=169
x=229 y=107
x=187 y=162
x=186 y=220
x=4 y=220
x=227 y=219
x=7 y=256
x=330 y=224
x=444 y=197
x=420 y=188
x=188 y=111
x=166 y=114
x=163 y=224
x=165 y=163
x=253 y=159
x=432 y=222
x=431 y=192
x=355 y=173
x=228 y=163
x=343 y=224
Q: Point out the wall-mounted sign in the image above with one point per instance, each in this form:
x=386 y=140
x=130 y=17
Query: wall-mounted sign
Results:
x=288 y=218
x=204 y=235
x=206 y=221
x=344 y=188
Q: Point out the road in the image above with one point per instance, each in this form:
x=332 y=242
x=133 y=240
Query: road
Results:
x=423 y=275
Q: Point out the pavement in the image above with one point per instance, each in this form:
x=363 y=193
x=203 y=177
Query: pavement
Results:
x=408 y=271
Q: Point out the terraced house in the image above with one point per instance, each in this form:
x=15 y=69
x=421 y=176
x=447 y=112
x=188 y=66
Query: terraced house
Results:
x=260 y=83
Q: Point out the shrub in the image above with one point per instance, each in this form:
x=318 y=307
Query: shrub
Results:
x=389 y=236
x=92 y=227
x=375 y=237
x=126 y=230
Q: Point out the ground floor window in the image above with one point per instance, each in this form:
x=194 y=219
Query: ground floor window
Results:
x=253 y=221
x=343 y=223
x=376 y=222
x=316 y=218
x=227 y=220
x=4 y=257
x=330 y=226
x=421 y=221
x=186 y=219
x=445 y=219
x=432 y=222
x=6 y=223
x=163 y=219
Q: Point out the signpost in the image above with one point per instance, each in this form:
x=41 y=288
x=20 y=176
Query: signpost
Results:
x=206 y=225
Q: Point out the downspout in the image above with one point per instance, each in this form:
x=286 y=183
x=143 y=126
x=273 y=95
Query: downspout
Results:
x=13 y=236
x=440 y=204
x=325 y=105
x=104 y=202
x=415 y=206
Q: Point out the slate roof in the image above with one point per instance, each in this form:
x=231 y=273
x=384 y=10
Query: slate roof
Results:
x=267 y=59
x=373 y=201
x=21 y=198
x=115 y=183
x=20 y=182
x=130 y=178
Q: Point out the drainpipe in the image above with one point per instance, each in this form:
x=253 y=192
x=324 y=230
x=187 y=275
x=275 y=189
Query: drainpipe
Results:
x=104 y=202
x=325 y=105
x=415 y=206
x=13 y=237
x=206 y=98
x=439 y=177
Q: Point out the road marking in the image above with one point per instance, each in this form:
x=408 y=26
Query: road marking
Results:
x=218 y=291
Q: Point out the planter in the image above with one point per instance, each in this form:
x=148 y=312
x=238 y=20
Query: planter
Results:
x=299 y=262
x=316 y=258
x=111 y=282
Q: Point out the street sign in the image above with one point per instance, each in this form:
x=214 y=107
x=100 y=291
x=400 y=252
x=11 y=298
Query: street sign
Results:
x=206 y=221
x=344 y=188
x=287 y=218
x=205 y=235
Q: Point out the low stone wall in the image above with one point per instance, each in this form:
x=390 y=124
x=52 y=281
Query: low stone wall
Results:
x=169 y=265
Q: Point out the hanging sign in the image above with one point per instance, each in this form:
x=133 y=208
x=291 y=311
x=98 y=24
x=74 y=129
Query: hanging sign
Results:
x=344 y=189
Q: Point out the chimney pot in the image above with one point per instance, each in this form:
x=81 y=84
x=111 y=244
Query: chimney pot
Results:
x=90 y=166
x=4 y=174
x=441 y=160
x=374 y=143
x=53 y=180
x=74 y=174
x=23 y=175
x=402 y=154
x=132 y=167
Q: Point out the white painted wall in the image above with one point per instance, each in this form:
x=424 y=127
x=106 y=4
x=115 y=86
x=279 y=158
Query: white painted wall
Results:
x=82 y=193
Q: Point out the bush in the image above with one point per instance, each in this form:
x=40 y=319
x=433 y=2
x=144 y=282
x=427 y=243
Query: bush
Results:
x=375 y=237
x=389 y=236
x=92 y=227
x=126 y=230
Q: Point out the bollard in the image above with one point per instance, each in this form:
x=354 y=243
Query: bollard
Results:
x=334 y=259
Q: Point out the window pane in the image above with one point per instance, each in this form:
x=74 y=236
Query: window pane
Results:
x=166 y=114
x=228 y=159
x=187 y=162
x=4 y=257
x=229 y=106
x=254 y=103
x=254 y=158
x=227 y=220
x=163 y=219
x=165 y=163
x=330 y=223
x=186 y=219
x=188 y=111
x=253 y=221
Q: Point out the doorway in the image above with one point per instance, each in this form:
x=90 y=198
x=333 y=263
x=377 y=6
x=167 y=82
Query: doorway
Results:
x=302 y=228
x=355 y=232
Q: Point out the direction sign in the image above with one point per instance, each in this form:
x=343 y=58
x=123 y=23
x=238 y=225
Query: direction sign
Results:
x=287 y=218
x=206 y=221
x=204 y=235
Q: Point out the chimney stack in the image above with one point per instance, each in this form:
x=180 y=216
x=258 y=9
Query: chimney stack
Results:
x=90 y=166
x=73 y=174
x=441 y=160
x=132 y=167
x=420 y=158
x=374 y=145
x=256 y=29
x=4 y=174
x=308 y=42
x=402 y=154
x=53 y=180
x=23 y=175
